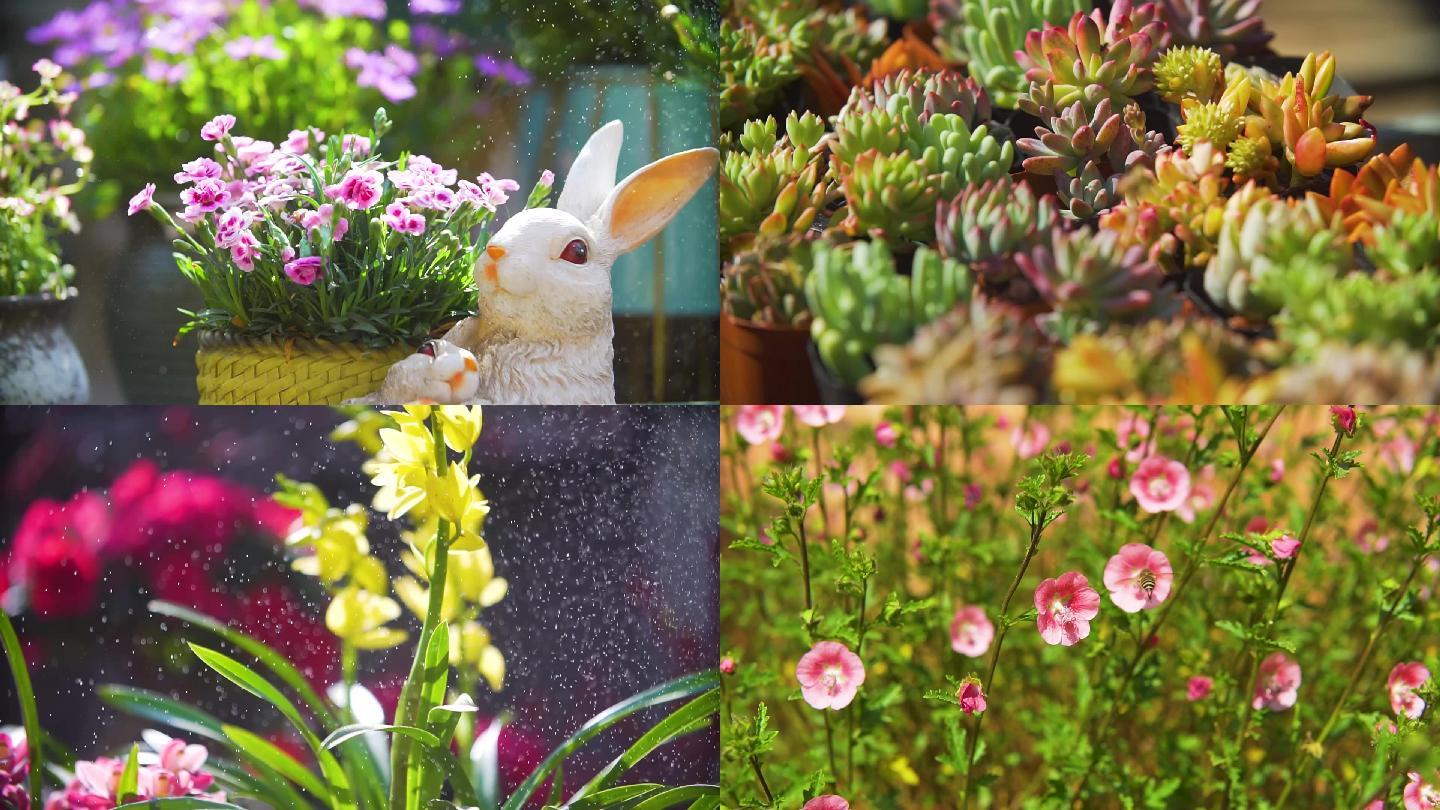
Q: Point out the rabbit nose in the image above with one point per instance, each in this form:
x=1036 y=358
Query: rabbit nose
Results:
x=495 y=252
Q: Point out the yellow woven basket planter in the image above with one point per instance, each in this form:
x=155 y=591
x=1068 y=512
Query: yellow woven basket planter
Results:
x=300 y=372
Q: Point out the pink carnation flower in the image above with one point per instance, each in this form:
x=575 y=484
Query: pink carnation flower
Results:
x=359 y=189
x=143 y=200
x=1198 y=688
x=1404 y=680
x=304 y=271
x=1138 y=577
x=1065 y=606
x=218 y=128
x=971 y=697
x=971 y=631
x=206 y=195
x=197 y=170
x=244 y=251
x=829 y=675
x=1278 y=684
x=827 y=802
x=1421 y=794
x=403 y=220
x=818 y=415
x=1160 y=484
x=759 y=424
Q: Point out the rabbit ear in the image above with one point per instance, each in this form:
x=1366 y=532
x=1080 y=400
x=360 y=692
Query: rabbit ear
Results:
x=648 y=199
x=592 y=175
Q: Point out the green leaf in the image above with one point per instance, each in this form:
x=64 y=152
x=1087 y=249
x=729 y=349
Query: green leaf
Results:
x=28 y=711
x=674 y=690
x=130 y=774
x=688 y=719
x=353 y=730
x=161 y=709
x=671 y=797
x=274 y=661
x=614 y=796
x=267 y=753
x=179 y=803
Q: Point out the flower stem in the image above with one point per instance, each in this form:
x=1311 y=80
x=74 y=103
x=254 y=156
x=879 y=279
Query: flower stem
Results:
x=989 y=683
x=760 y=777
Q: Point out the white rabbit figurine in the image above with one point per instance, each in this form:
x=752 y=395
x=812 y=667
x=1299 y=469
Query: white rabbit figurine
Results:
x=544 y=330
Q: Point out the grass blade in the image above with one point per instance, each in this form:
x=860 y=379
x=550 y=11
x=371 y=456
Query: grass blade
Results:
x=179 y=803
x=164 y=710
x=615 y=796
x=273 y=757
x=691 y=717
x=29 y=713
x=354 y=730
x=130 y=775
x=677 y=689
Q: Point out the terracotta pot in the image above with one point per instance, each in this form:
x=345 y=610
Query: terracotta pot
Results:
x=764 y=365
x=39 y=364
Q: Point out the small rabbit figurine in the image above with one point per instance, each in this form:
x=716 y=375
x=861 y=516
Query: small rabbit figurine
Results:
x=544 y=331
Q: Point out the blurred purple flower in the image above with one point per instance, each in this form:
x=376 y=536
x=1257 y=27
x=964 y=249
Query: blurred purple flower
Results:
x=372 y=9
x=434 y=39
x=389 y=71
x=435 y=6
x=495 y=67
x=163 y=72
x=252 y=48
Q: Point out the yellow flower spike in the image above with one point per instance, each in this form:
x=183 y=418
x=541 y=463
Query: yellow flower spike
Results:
x=468 y=640
x=369 y=573
x=358 y=617
x=338 y=543
x=471 y=575
x=415 y=596
x=460 y=425
x=492 y=667
x=452 y=495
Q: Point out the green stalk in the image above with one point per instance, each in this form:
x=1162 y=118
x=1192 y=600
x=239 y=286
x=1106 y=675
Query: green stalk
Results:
x=410 y=693
x=28 y=709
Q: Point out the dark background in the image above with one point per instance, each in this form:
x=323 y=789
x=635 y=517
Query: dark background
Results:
x=603 y=520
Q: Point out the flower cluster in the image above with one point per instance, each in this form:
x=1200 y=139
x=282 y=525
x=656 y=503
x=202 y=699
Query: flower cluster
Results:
x=1036 y=597
x=44 y=161
x=334 y=59
x=386 y=248
x=176 y=770
x=14 y=772
x=1181 y=206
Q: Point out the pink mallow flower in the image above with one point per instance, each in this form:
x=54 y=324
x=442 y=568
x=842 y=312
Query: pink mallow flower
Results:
x=818 y=415
x=1198 y=688
x=829 y=801
x=971 y=631
x=1284 y=547
x=760 y=424
x=727 y=665
x=1065 y=606
x=1344 y=418
x=218 y=128
x=359 y=189
x=1138 y=577
x=1422 y=794
x=1278 y=683
x=1030 y=439
x=143 y=200
x=886 y=435
x=1404 y=680
x=1160 y=484
x=829 y=675
x=971 y=696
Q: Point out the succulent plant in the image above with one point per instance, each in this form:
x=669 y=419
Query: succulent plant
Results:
x=1268 y=244
x=893 y=166
x=1311 y=129
x=765 y=284
x=860 y=302
x=1171 y=360
x=926 y=93
x=1090 y=279
x=1186 y=192
x=1340 y=372
x=976 y=353
x=1090 y=193
x=1113 y=52
x=900 y=9
x=1252 y=159
x=772 y=186
x=1408 y=244
x=986 y=34
x=985 y=225
x=1386 y=185
x=1187 y=71
x=755 y=69
x=1231 y=27
x=1207 y=121
x=1319 y=305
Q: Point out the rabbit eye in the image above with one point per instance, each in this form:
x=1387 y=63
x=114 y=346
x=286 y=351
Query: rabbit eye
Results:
x=577 y=252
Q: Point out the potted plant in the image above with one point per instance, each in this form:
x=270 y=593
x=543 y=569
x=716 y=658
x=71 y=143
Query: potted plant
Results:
x=44 y=161
x=319 y=262
x=154 y=73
